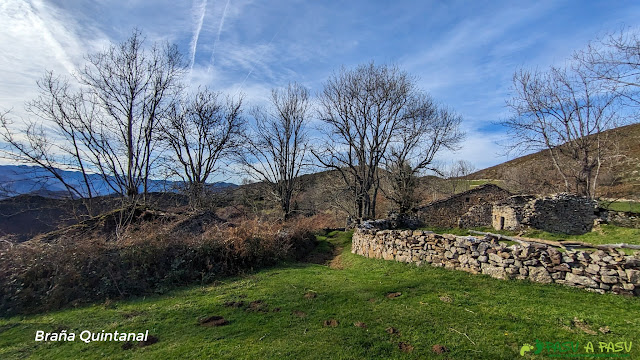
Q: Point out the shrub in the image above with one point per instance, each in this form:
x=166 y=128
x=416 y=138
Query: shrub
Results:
x=37 y=276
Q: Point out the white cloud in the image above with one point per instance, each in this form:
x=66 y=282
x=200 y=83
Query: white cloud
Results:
x=199 y=10
x=36 y=37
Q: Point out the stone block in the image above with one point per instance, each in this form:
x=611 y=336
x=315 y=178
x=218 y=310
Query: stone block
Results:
x=633 y=276
x=562 y=267
x=496 y=258
x=494 y=271
x=581 y=280
x=631 y=263
x=592 y=269
x=539 y=274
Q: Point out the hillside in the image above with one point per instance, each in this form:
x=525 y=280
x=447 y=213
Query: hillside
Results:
x=536 y=173
x=351 y=308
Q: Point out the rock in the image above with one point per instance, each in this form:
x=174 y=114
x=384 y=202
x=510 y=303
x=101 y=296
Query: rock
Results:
x=525 y=253
x=511 y=270
x=494 y=271
x=628 y=287
x=609 y=279
x=483 y=258
x=539 y=274
x=562 y=267
x=633 y=276
x=592 y=269
x=599 y=291
x=583 y=256
x=608 y=272
x=577 y=271
x=632 y=263
x=581 y=280
x=495 y=258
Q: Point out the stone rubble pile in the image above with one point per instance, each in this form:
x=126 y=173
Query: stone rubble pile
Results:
x=599 y=271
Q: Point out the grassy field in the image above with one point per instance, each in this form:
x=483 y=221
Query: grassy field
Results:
x=630 y=206
x=478 y=182
x=604 y=234
x=473 y=316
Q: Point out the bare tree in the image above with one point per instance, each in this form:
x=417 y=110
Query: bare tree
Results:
x=428 y=131
x=106 y=124
x=455 y=175
x=276 y=150
x=367 y=111
x=565 y=112
x=132 y=88
x=35 y=145
x=201 y=131
x=615 y=61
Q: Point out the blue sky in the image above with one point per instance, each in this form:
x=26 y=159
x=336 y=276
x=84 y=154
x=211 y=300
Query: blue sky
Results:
x=464 y=53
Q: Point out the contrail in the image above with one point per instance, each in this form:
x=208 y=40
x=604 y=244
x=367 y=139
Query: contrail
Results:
x=253 y=66
x=213 y=52
x=198 y=13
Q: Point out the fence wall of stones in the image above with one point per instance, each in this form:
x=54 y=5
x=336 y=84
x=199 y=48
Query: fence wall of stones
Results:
x=621 y=218
x=598 y=271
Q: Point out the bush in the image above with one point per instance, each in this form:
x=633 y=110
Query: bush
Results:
x=37 y=276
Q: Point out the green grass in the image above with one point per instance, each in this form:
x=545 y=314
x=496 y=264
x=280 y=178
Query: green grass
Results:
x=478 y=182
x=605 y=234
x=484 y=319
x=629 y=206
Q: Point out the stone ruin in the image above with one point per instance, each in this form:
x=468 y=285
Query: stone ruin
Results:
x=491 y=206
x=561 y=213
x=448 y=212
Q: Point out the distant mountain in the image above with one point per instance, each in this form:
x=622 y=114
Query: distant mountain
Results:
x=23 y=179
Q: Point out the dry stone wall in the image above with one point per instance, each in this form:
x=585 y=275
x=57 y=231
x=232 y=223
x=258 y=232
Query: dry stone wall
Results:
x=600 y=271
x=477 y=216
x=621 y=218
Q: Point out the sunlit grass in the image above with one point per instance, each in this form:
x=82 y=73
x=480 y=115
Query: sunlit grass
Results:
x=474 y=316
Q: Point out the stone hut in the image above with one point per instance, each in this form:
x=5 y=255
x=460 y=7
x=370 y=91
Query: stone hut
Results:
x=561 y=213
x=451 y=211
